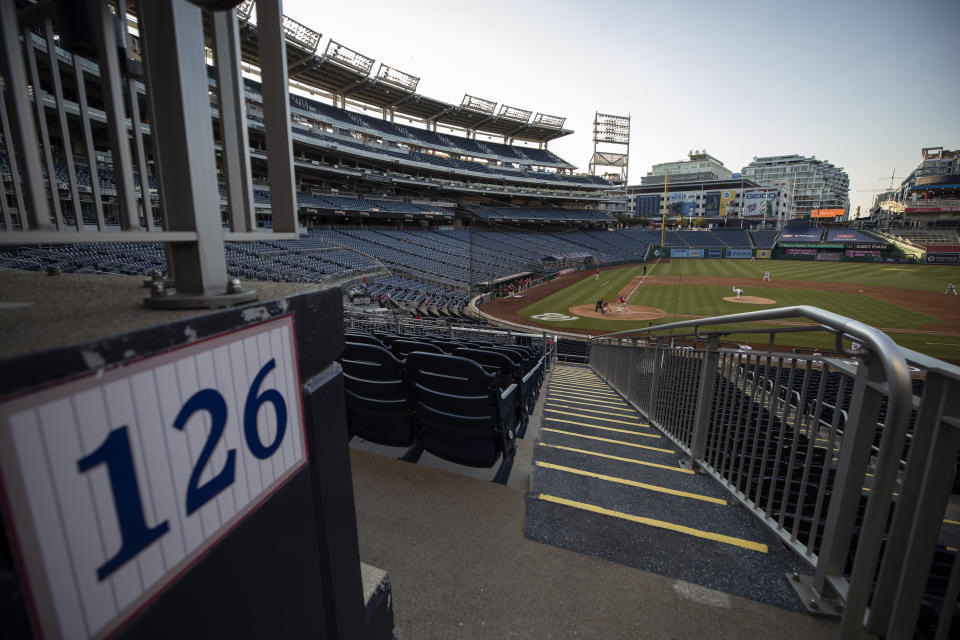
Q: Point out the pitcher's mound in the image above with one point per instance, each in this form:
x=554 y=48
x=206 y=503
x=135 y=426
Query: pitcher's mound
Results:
x=633 y=312
x=750 y=300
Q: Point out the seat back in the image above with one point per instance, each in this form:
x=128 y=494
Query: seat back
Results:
x=460 y=413
x=376 y=395
x=401 y=348
x=363 y=338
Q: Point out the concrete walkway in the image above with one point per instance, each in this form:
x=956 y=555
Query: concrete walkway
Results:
x=461 y=568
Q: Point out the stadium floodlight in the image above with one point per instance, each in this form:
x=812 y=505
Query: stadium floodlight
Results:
x=545 y=120
x=397 y=78
x=480 y=105
x=348 y=57
x=245 y=9
x=301 y=35
x=513 y=113
x=608 y=128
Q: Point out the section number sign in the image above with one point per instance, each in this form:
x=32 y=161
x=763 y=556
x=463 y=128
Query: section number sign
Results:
x=115 y=483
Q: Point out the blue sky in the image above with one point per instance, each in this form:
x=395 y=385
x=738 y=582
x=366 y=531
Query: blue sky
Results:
x=861 y=84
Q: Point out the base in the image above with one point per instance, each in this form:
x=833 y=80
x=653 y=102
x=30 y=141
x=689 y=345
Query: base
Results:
x=195 y=301
x=812 y=601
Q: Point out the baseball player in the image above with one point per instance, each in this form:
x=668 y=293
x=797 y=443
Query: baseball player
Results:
x=950 y=289
x=766 y=277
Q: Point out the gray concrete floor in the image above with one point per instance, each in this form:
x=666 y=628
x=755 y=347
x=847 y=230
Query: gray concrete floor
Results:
x=461 y=568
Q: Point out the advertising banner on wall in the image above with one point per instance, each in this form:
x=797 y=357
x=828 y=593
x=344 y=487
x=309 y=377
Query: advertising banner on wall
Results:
x=763 y=253
x=715 y=253
x=943 y=258
x=711 y=204
x=726 y=197
x=686 y=253
x=828 y=257
x=827 y=213
x=739 y=253
x=760 y=203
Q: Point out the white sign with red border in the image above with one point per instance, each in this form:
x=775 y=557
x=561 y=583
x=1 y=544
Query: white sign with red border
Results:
x=114 y=484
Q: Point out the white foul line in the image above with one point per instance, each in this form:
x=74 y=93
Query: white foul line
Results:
x=642 y=278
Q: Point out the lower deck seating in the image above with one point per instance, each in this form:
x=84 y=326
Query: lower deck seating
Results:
x=460 y=400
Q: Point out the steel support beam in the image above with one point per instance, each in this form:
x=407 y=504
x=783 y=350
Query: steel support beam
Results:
x=233 y=121
x=172 y=32
x=35 y=212
x=276 y=114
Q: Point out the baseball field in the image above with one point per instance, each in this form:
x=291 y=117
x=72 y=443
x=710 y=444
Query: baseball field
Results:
x=905 y=301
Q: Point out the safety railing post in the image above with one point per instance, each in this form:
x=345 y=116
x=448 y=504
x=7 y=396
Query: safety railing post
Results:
x=701 y=420
x=923 y=500
x=855 y=453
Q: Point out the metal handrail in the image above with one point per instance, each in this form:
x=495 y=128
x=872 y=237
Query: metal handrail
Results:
x=879 y=344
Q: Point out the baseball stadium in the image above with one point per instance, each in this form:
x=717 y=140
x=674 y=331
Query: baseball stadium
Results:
x=290 y=347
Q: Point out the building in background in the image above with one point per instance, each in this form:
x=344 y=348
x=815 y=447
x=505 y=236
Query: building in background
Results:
x=929 y=196
x=816 y=187
x=699 y=166
x=733 y=201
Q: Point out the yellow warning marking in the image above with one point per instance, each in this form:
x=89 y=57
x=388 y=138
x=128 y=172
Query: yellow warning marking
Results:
x=580 y=385
x=951 y=521
x=632 y=483
x=580 y=396
x=593 y=404
x=596 y=426
x=595 y=394
x=580 y=415
x=585 y=387
x=619 y=458
x=660 y=524
x=623 y=442
x=606 y=413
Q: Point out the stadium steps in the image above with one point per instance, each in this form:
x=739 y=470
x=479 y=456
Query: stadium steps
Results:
x=606 y=483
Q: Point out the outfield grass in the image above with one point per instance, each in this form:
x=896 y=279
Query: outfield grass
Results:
x=707 y=300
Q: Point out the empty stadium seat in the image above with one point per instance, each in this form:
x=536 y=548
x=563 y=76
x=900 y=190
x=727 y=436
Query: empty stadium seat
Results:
x=376 y=395
x=460 y=413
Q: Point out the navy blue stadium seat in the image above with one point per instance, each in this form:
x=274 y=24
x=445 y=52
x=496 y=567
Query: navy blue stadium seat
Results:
x=460 y=413
x=376 y=395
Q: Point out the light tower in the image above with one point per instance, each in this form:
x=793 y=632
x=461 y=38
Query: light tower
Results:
x=611 y=130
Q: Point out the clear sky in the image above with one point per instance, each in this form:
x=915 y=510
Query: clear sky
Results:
x=863 y=84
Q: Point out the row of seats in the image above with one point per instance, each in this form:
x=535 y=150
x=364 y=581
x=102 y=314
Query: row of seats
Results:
x=463 y=402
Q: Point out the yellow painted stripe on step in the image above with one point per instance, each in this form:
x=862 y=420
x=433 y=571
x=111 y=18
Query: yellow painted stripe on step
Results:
x=660 y=524
x=594 y=381
x=596 y=426
x=631 y=483
x=618 y=458
x=581 y=396
x=593 y=404
x=580 y=385
x=631 y=414
x=951 y=521
x=621 y=442
x=580 y=415
x=599 y=388
x=583 y=389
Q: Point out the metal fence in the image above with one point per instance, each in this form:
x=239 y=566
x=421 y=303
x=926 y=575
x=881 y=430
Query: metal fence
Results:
x=851 y=460
x=137 y=71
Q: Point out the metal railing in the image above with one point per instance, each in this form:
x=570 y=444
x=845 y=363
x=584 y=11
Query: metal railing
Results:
x=149 y=91
x=850 y=460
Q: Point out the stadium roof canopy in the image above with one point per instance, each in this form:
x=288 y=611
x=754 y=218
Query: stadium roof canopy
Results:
x=347 y=73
